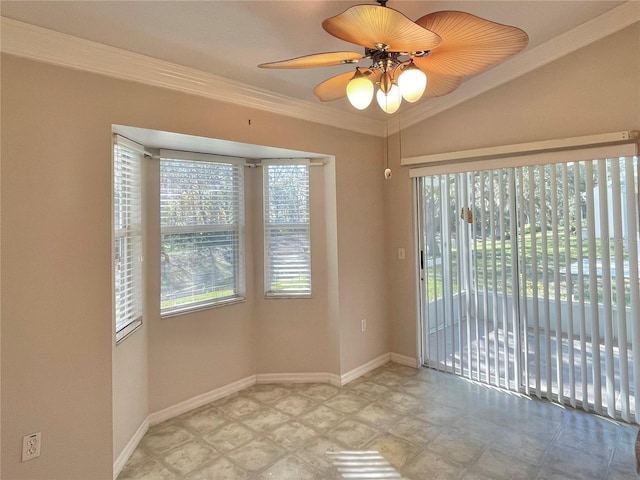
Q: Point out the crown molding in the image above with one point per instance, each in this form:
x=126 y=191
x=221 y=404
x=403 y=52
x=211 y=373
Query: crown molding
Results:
x=40 y=44
x=589 y=32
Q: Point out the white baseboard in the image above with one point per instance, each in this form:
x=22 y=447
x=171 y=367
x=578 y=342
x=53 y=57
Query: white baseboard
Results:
x=321 y=377
x=366 y=368
x=129 y=448
x=404 y=360
x=200 y=400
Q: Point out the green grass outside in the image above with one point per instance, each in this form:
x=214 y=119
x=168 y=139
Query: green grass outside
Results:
x=195 y=298
x=435 y=284
x=298 y=283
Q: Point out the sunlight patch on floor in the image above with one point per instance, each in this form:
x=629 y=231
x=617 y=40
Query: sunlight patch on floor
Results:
x=363 y=465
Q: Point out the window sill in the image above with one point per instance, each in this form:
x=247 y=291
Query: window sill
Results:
x=127 y=331
x=198 y=308
x=285 y=296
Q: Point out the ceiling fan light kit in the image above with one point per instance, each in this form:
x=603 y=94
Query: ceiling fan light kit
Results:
x=409 y=60
x=360 y=90
x=412 y=82
x=389 y=102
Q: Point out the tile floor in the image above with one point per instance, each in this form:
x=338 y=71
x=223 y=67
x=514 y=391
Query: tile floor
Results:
x=427 y=424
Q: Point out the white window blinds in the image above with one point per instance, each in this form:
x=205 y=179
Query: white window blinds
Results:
x=127 y=233
x=530 y=280
x=287 y=232
x=202 y=232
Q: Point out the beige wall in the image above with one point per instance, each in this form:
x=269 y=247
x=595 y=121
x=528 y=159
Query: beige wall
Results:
x=56 y=306
x=280 y=320
x=57 y=349
x=360 y=257
x=194 y=353
x=594 y=90
x=58 y=357
x=130 y=372
x=130 y=392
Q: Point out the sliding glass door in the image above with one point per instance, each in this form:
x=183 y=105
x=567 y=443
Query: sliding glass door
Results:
x=468 y=275
x=529 y=280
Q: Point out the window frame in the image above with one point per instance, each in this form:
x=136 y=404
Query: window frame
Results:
x=131 y=234
x=238 y=230
x=269 y=291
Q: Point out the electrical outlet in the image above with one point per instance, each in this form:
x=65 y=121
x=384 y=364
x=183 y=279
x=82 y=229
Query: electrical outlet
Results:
x=363 y=324
x=401 y=253
x=31 y=446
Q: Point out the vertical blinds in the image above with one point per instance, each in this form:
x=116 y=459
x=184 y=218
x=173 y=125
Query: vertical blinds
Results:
x=588 y=345
x=531 y=280
x=202 y=227
x=287 y=230
x=127 y=252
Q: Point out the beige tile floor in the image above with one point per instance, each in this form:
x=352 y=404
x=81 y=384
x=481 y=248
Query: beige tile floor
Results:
x=427 y=424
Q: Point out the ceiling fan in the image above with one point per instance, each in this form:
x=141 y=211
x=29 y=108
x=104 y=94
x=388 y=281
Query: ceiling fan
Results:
x=408 y=59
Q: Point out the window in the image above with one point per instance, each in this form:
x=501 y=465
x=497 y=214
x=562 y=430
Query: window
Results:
x=127 y=234
x=202 y=231
x=287 y=232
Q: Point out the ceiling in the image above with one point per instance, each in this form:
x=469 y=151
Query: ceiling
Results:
x=230 y=38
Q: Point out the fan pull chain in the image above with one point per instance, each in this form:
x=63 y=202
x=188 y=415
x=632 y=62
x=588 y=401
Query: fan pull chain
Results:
x=399 y=139
x=387 y=171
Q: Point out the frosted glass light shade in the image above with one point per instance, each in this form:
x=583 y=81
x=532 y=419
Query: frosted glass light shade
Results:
x=360 y=91
x=390 y=102
x=412 y=83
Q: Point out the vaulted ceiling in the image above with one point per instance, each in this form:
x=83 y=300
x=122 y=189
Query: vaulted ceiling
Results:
x=229 y=39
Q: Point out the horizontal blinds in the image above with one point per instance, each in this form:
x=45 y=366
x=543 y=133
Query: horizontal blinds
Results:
x=197 y=194
x=202 y=227
x=287 y=230
x=127 y=252
x=130 y=145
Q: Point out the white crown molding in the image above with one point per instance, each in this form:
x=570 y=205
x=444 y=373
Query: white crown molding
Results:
x=602 y=26
x=36 y=43
x=40 y=44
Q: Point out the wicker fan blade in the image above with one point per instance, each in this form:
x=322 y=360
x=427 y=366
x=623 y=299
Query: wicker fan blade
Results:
x=316 y=60
x=470 y=44
x=439 y=85
x=336 y=87
x=374 y=25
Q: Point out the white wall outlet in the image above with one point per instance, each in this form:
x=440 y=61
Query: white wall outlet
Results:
x=363 y=324
x=401 y=254
x=31 y=446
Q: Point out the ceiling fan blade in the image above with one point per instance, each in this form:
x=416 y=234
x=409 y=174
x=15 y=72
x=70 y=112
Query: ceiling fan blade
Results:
x=372 y=25
x=439 y=85
x=336 y=87
x=316 y=60
x=470 y=44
